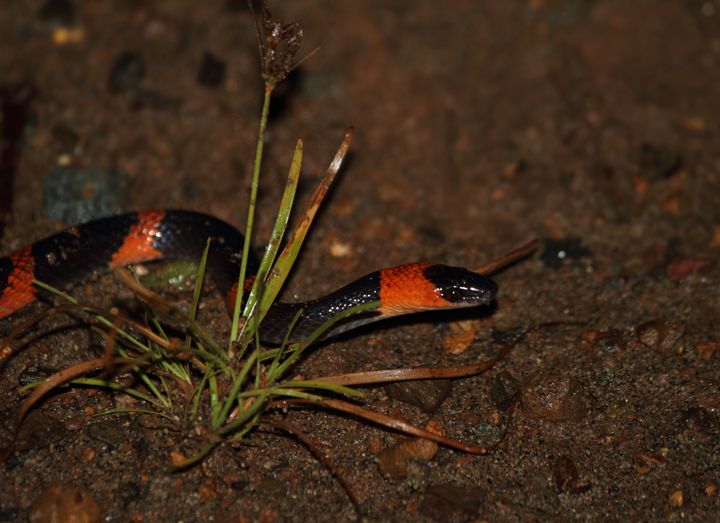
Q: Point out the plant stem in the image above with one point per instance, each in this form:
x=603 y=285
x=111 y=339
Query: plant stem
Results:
x=269 y=86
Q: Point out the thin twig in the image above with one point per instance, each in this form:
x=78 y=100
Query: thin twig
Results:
x=295 y=430
x=391 y=423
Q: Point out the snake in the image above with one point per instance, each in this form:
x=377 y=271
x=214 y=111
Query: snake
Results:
x=98 y=246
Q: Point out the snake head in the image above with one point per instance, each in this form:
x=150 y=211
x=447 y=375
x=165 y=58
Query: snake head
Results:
x=461 y=287
x=416 y=287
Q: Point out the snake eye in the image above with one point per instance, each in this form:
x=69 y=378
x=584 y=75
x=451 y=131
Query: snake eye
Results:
x=453 y=295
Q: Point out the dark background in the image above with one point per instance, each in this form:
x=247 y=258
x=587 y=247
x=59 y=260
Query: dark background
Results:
x=478 y=125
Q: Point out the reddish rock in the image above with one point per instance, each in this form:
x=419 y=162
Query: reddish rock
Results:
x=391 y=461
x=451 y=504
x=599 y=343
x=553 y=396
x=65 y=503
x=660 y=335
x=566 y=477
x=503 y=388
x=681 y=268
x=706 y=351
x=428 y=395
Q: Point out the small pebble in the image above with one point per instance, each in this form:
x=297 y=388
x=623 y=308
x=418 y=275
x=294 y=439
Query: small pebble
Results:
x=707 y=351
x=33 y=373
x=80 y=194
x=74 y=423
x=598 y=343
x=270 y=487
x=555 y=251
x=660 y=335
x=501 y=338
x=658 y=163
x=129 y=493
x=65 y=503
x=451 y=504
x=428 y=395
x=503 y=388
x=37 y=431
x=109 y=432
x=57 y=13
x=676 y=499
x=435 y=427
x=177 y=459
x=681 y=268
x=553 y=396
x=65 y=138
x=126 y=72
x=152 y=99
x=710 y=401
x=208 y=488
x=700 y=418
x=566 y=477
x=643 y=463
x=212 y=71
x=660 y=456
x=391 y=461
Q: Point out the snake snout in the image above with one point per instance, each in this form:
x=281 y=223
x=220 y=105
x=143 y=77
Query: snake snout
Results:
x=480 y=291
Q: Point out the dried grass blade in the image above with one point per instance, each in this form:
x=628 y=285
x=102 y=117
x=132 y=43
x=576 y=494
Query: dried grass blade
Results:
x=157 y=303
x=289 y=254
x=517 y=254
x=53 y=381
x=24 y=326
x=384 y=376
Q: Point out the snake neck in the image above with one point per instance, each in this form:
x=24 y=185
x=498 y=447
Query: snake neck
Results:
x=316 y=313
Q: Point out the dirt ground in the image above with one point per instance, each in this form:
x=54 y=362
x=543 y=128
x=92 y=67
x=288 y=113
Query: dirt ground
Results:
x=478 y=125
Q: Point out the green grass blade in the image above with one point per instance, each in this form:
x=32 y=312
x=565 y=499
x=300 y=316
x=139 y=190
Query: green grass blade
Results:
x=95 y=315
x=135 y=411
x=215 y=403
x=318 y=333
x=197 y=457
x=292 y=393
x=319 y=385
x=114 y=386
x=145 y=379
x=229 y=401
x=272 y=353
x=273 y=366
x=167 y=391
x=195 y=400
x=194 y=326
x=199 y=281
x=247 y=416
x=271 y=286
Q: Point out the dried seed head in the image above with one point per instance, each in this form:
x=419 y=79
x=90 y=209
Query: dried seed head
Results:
x=282 y=42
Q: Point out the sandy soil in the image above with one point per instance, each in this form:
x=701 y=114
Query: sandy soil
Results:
x=587 y=124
